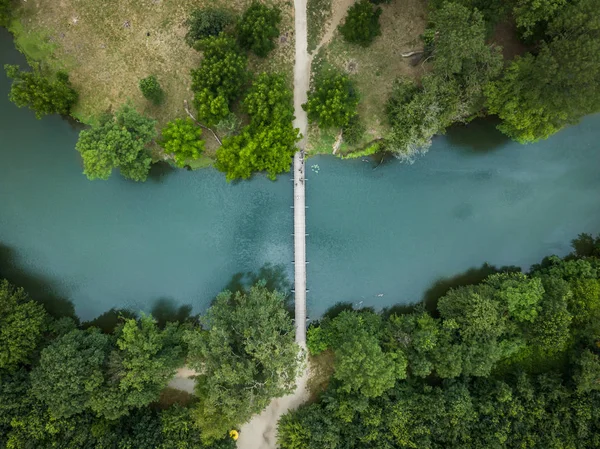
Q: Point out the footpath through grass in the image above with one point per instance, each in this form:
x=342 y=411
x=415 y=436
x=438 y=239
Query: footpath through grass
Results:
x=108 y=46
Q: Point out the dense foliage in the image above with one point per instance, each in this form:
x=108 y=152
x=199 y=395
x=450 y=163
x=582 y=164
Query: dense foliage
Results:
x=206 y=22
x=511 y=362
x=257 y=28
x=118 y=141
x=268 y=142
x=41 y=93
x=463 y=64
x=332 y=101
x=220 y=78
x=246 y=354
x=540 y=94
x=182 y=139
x=22 y=325
x=68 y=386
x=5 y=12
x=151 y=90
x=362 y=23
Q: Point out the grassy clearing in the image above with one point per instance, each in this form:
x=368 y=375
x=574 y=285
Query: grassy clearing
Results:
x=108 y=46
x=374 y=69
x=318 y=14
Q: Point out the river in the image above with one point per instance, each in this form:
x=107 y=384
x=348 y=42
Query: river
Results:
x=378 y=235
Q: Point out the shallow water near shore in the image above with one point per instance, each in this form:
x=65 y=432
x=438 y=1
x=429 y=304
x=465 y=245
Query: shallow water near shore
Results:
x=377 y=236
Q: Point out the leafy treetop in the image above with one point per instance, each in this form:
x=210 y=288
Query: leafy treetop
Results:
x=119 y=141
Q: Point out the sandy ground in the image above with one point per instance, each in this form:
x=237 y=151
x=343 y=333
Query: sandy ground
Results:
x=183 y=380
x=261 y=431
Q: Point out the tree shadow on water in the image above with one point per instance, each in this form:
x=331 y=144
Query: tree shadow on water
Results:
x=40 y=288
x=470 y=277
x=109 y=320
x=478 y=136
x=159 y=171
x=274 y=277
x=166 y=310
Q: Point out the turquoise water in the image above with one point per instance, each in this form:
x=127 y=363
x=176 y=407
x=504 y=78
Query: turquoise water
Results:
x=377 y=235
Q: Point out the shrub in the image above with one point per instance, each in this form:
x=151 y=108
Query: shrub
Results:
x=151 y=90
x=41 y=94
x=362 y=24
x=258 y=27
x=353 y=131
x=206 y=22
x=182 y=138
x=332 y=101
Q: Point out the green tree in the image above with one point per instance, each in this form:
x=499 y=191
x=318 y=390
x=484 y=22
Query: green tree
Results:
x=40 y=93
x=269 y=100
x=269 y=149
x=332 y=101
x=463 y=64
x=139 y=368
x=206 y=22
x=530 y=14
x=22 y=324
x=269 y=142
x=257 y=28
x=520 y=294
x=417 y=113
x=247 y=356
x=183 y=139
x=70 y=371
x=362 y=23
x=539 y=95
x=587 y=374
x=220 y=78
x=151 y=90
x=119 y=141
x=5 y=12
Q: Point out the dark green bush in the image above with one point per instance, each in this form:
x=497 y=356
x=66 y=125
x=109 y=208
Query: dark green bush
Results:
x=362 y=23
x=353 y=131
x=258 y=27
x=206 y=22
x=41 y=93
x=151 y=90
x=332 y=101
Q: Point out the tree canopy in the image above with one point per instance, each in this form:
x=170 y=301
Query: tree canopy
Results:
x=268 y=143
x=540 y=94
x=22 y=325
x=44 y=95
x=362 y=23
x=257 y=28
x=220 y=78
x=207 y=22
x=246 y=354
x=332 y=100
x=119 y=141
x=510 y=362
x=463 y=64
x=182 y=139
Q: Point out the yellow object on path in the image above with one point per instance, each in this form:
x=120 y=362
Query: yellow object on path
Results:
x=234 y=434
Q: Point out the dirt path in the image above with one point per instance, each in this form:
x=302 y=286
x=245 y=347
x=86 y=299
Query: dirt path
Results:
x=339 y=9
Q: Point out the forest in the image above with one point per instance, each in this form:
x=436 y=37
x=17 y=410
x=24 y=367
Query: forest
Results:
x=511 y=361
x=507 y=360
x=104 y=383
